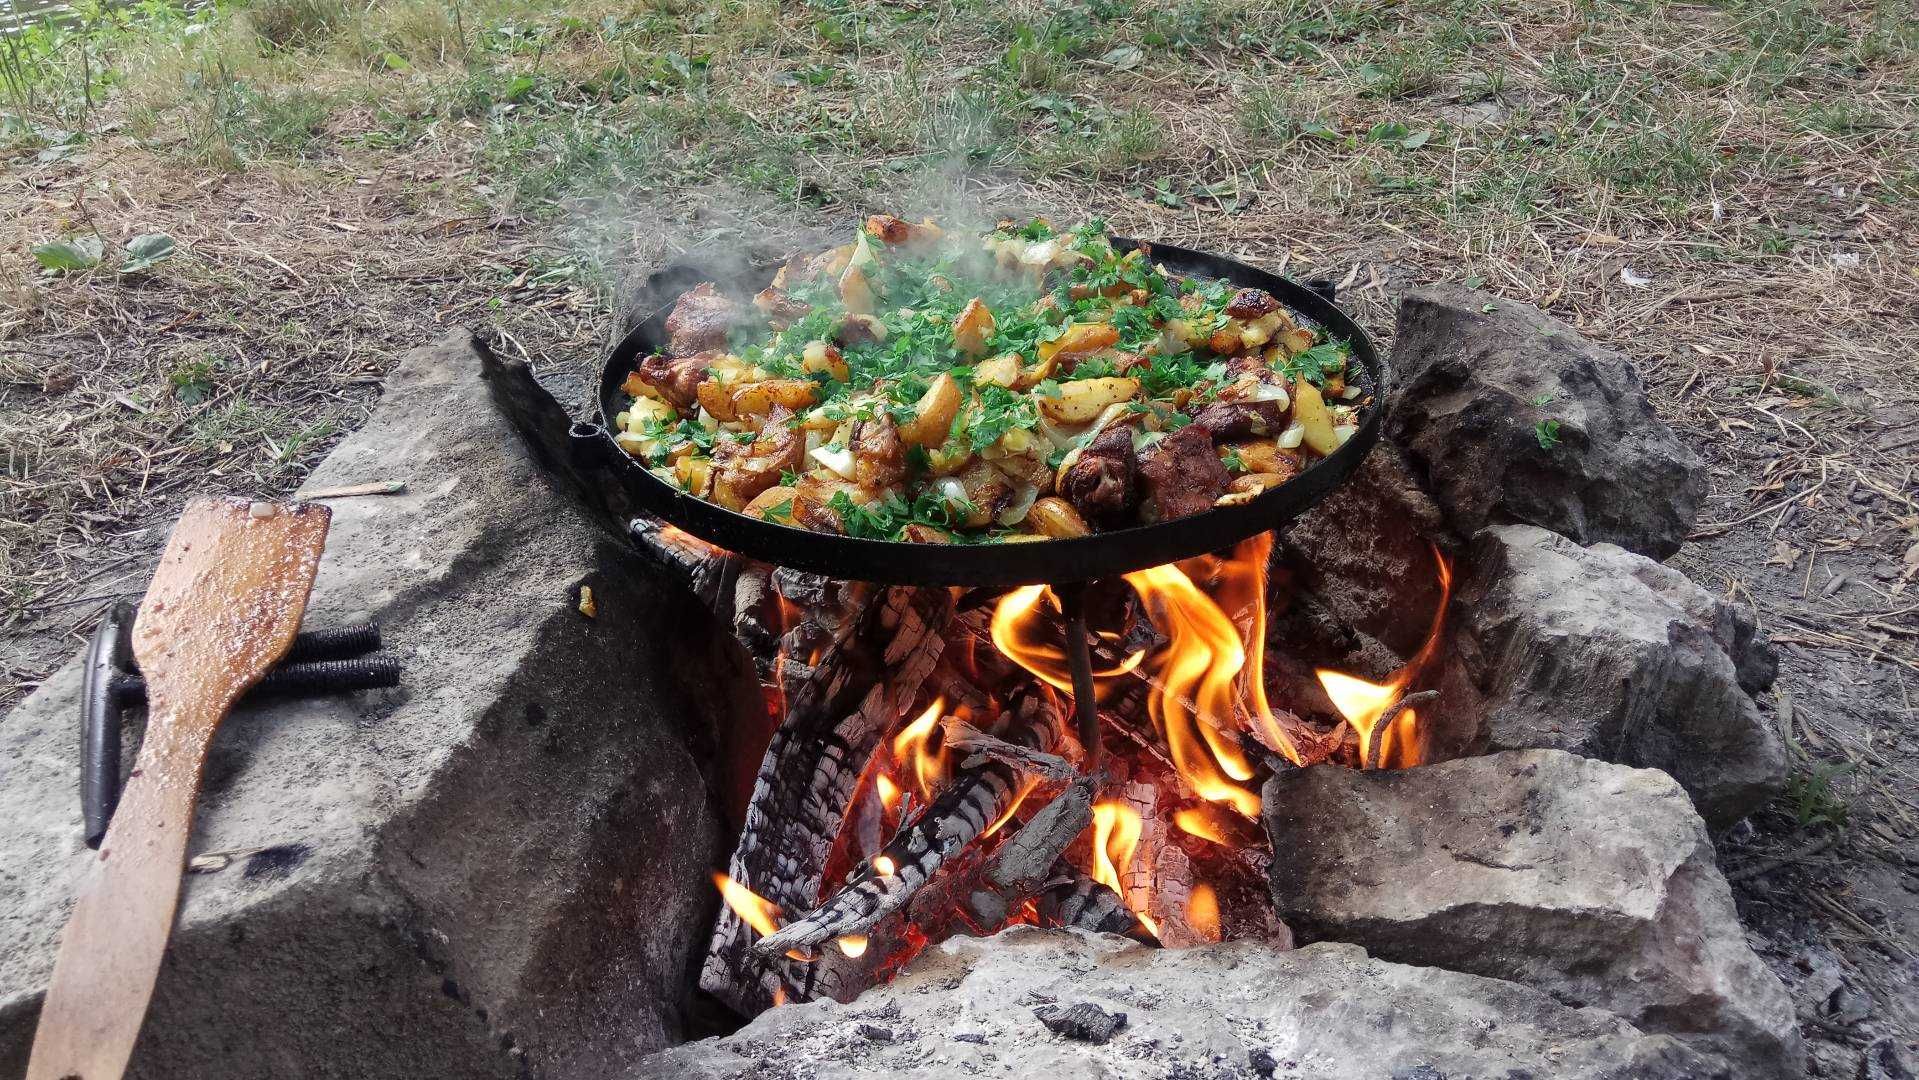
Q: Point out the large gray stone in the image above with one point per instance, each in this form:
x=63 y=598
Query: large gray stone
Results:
x=1478 y=375
x=498 y=870
x=1592 y=882
x=1243 y=1010
x=1607 y=654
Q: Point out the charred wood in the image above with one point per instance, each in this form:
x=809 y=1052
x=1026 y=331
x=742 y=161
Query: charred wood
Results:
x=963 y=736
x=982 y=791
x=1076 y=901
x=837 y=710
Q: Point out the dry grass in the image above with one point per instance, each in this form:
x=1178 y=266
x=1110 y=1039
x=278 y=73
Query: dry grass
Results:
x=1726 y=192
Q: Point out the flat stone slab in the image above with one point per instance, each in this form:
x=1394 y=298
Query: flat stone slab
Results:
x=1592 y=882
x=499 y=869
x=998 y=1006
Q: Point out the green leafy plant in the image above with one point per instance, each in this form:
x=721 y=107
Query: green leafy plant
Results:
x=193 y=381
x=145 y=250
x=1811 y=794
x=69 y=254
x=1547 y=432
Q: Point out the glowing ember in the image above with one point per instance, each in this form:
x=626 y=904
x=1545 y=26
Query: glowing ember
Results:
x=757 y=912
x=1194 y=677
x=853 y=945
x=1202 y=911
x=919 y=746
x=1364 y=703
x=883 y=866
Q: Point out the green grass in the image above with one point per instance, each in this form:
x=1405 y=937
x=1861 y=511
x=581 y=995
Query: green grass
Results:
x=832 y=98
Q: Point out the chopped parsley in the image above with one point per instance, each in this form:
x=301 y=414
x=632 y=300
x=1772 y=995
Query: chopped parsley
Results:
x=1319 y=363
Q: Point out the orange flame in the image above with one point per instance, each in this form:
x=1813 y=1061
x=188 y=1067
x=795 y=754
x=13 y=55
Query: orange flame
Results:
x=853 y=945
x=1202 y=911
x=889 y=792
x=1364 y=703
x=756 y=911
x=1116 y=830
x=779 y=996
x=883 y=866
x=1194 y=678
x=918 y=746
x=1242 y=588
x=1199 y=823
x=1021 y=631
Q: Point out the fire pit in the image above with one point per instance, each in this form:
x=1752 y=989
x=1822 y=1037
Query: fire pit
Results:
x=920 y=780
x=516 y=867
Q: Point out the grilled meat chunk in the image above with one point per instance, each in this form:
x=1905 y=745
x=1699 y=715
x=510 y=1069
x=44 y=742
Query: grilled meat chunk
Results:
x=1250 y=304
x=780 y=309
x=700 y=321
x=1232 y=420
x=879 y=457
x=743 y=470
x=676 y=378
x=1101 y=484
x=1182 y=475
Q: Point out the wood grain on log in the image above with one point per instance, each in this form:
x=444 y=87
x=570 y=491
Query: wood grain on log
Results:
x=980 y=793
x=837 y=710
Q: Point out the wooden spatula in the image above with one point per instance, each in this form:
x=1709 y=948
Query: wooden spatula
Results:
x=224 y=606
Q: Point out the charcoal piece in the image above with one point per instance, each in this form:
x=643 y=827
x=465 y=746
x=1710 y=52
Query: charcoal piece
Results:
x=1084 y=1022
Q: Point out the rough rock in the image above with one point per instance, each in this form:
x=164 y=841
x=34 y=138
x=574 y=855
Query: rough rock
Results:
x=1592 y=882
x=1477 y=378
x=1884 y=1061
x=1607 y=654
x=497 y=870
x=1240 y=1010
x=1366 y=552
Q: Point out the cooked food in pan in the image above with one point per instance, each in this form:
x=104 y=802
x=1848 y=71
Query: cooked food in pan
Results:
x=1025 y=384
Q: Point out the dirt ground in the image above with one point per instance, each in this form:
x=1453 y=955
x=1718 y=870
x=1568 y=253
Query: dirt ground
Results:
x=1725 y=193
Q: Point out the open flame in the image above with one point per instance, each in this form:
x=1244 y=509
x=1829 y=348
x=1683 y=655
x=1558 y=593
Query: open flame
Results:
x=1023 y=633
x=1202 y=911
x=889 y=792
x=1194 y=687
x=1116 y=830
x=1365 y=703
x=919 y=749
x=753 y=909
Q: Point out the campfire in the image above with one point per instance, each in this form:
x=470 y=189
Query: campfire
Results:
x=958 y=796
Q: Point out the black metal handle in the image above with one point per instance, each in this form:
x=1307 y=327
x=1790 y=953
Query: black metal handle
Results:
x=100 y=702
x=318 y=661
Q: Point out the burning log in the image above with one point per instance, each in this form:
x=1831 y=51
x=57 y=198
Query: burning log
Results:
x=982 y=793
x=837 y=709
x=961 y=735
x=1079 y=902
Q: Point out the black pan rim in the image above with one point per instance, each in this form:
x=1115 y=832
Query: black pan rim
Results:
x=1003 y=565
